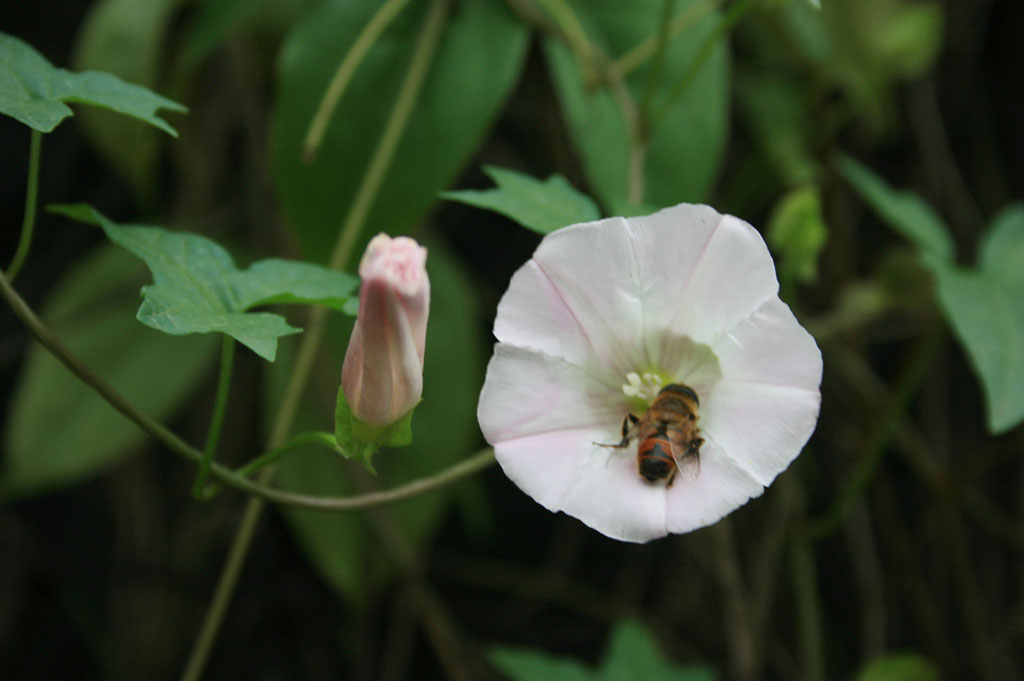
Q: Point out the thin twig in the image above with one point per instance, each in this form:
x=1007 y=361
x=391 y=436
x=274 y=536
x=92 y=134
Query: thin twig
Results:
x=367 y=38
x=31 y=192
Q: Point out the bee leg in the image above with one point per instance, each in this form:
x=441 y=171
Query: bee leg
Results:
x=671 y=479
x=627 y=425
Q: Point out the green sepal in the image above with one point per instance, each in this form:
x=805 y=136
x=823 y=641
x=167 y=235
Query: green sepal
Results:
x=359 y=440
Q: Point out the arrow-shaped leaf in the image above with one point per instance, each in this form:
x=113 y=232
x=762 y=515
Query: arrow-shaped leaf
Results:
x=542 y=206
x=197 y=288
x=34 y=92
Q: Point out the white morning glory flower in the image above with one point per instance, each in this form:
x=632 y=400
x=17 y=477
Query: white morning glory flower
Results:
x=602 y=317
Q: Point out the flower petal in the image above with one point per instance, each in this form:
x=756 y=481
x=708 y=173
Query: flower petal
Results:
x=701 y=272
x=545 y=464
x=766 y=405
x=526 y=393
x=770 y=346
x=608 y=494
x=533 y=314
x=592 y=269
x=565 y=471
x=760 y=427
x=719 y=488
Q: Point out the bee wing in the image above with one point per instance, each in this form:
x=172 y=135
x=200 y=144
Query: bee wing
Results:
x=688 y=459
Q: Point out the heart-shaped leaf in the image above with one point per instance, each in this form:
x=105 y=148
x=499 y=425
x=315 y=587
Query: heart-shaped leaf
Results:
x=985 y=307
x=59 y=431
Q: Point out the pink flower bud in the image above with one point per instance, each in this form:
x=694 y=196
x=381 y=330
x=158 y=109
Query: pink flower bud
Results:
x=382 y=377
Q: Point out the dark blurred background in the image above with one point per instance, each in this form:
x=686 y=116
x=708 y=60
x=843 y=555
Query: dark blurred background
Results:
x=108 y=576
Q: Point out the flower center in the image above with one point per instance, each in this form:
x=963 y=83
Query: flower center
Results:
x=640 y=389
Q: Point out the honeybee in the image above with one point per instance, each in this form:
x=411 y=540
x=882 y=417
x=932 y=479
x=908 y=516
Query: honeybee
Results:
x=669 y=439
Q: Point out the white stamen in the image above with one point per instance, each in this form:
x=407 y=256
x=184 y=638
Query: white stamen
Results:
x=645 y=388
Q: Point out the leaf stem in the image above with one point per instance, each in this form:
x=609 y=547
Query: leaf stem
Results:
x=370 y=34
x=419 y=63
x=572 y=30
x=31 y=192
x=654 y=77
x=648 y=47
x=735 y=13
x=318 y=437
x=227 y=355
x=808 y=604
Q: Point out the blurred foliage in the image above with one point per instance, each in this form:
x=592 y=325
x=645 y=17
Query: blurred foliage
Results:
x=476 y=65
x=663 y=118
x=797 y=231
x=757 y=107
x=631 y=654
x=59 y=431
x=984 y=306
x=899 y=667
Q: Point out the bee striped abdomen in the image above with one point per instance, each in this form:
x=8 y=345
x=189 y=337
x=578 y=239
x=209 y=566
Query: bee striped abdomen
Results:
x=654 y=458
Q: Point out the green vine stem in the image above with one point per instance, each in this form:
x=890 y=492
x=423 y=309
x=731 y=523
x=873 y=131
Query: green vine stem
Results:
x=419 y=63
x=322 y=438
x=649 y=46
x=226 y=476
x=575 y=36
x=227 y=356
x=31 y=192
x=346 y=69
x=663 y=36
x=735 y=13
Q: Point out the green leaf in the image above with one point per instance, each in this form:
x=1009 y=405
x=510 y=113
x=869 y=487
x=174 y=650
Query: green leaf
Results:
x=477 y=63
x=532 y=665
x=685 y=149
x=34 y=92
x=863 y=48
x=631 y=654
x=986 y=310
x=905 y=212
x=1001 y=253
x=776 y=108
x=540 y=206
x=899 y=667
x=59 y=432
x=797 y=231
x=198 y=289
x=341 y=545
